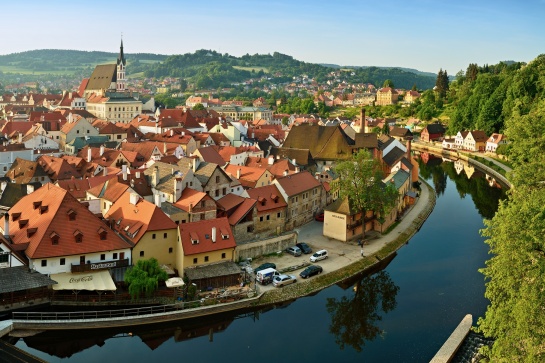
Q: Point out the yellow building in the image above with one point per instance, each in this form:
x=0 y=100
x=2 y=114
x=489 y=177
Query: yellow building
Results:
x=387 y=96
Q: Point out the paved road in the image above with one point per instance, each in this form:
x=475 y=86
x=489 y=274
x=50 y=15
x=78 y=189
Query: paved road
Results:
x=342 y=253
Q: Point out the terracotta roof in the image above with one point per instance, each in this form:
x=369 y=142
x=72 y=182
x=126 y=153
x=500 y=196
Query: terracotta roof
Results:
x=133 y=221
x=16 y=126
x=479 y=136
x=219 y=138
x=48 y=212
x=190 y=197
x=200 y=231
x=22 y=171
x=174 y=117
x=79 y=187
x=211 y=155
x=46 y=116
x=230 y=201
x=496 y=138
x=145 y=148
x=58 y=168
x=268 y=197
x=241 y=211
x=248 y=175
x=106 y=127
x=297 y=183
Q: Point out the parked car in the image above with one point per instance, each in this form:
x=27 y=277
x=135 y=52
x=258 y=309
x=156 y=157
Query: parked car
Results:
x=311 y=271
x=319 y=217
x=304 y=247
x=264 y=266
x=319 y=255
x=294 y=250
x=265 y=277
x=283 y=280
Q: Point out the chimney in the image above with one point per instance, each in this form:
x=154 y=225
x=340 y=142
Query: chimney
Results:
x=89 y=154
x=3 y=186
x=157 y=200
x=363 y=122
x=238 y=173
x=165 y=147
x=409 y=148
x=190 y=207
x=124 y=169
x=20 y=138
x=285 y=173
x=6 y=226
x=271 y=160
x=297 y=169
x=137 y=174
x=171 y=132
x=183 y=133
x=101 y=150
x=194 y=164
x=155 y=176
x=214 y=234
x=133 y=199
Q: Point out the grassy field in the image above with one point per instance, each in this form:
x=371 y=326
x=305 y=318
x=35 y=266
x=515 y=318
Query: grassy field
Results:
x=255 y=69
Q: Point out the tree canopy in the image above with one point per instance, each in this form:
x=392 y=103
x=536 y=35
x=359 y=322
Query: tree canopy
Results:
x=360 y=180
x=143 y=278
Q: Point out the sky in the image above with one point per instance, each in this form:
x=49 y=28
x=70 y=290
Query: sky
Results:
x=426 y=35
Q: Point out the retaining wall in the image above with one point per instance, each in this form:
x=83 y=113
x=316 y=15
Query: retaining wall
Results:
x=265 y=247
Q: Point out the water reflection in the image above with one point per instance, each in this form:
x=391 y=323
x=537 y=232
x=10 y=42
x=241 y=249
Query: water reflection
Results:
x=483 y=189
x=354 y=320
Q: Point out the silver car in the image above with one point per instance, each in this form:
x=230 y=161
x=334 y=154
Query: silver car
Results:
x=282 y=280
x=294 y=250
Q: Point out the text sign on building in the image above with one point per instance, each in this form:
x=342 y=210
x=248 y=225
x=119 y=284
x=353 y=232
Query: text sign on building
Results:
x=101 y=266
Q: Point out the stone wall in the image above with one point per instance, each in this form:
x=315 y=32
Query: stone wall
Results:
x=265 y=247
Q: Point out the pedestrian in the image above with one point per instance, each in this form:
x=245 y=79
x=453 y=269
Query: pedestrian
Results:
x=361 y=251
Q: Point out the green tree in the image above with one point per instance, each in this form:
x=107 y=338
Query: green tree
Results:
x=360 y=180
x=143 y=278
x=388 y=83
x=198 y=106
x=285 y=120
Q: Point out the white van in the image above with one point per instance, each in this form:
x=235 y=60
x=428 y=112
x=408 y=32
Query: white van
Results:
x=319 y=255
x=264 y=277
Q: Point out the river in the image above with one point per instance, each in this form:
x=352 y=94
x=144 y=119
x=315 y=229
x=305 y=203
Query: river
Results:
x=403 y=313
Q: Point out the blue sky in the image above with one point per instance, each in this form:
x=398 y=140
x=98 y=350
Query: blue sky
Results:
x=423 y=34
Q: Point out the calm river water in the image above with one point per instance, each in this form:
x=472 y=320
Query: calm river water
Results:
x=401 y=314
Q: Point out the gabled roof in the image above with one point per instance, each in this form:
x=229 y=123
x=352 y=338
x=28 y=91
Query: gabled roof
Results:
x=479 y=136
x=145 y=148
x=168 y=173
x=190 y=198
x=400 y=132
x=435 y=128
x=496 y=138
x=398 y=178
x=241 y=211
x=393 y=156
x=248 y=175
x=194 y=236
x=102 y=77
x=210 y=155
x=324 y=142
x=205 y=171
x=297 y=183
x=301 y=156
x=58 y=168
x=79 y=187
x=268 y=197
x=366 y=140
x=13 y=192
x=46 y=213
x=22 y=171
x=133 y=221
x=20 y=278
x=342 y=206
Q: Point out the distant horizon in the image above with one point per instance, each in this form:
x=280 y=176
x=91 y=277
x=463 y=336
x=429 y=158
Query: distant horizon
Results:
x=422 y=34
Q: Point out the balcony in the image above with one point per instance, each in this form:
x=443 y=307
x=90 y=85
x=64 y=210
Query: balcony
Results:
x=102 y=265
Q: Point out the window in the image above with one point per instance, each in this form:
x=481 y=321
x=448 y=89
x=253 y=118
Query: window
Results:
x=261 y=219
x=141 y=253
x=63 y=261
x=153 y=236
x=102 y=256
x=82 y=260
x=195 y=260
x=170 y=250
x=205 y=258
x=77 y=131
x=268 y=217
x=278 y=215
x=114 y=256
x=122 y=256
x=165 y=235
x=223 y=255
x=217 y=193
x=44 y=263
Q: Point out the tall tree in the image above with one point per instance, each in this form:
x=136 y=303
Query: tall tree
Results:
x=388 y=83
x=143 y=278
x=472 y=71
x=360 y=180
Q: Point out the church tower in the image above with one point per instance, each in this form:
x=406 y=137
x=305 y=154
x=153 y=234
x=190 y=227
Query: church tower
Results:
x=121 y=65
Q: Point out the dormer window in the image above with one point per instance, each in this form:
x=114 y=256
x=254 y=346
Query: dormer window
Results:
x=224 y=233
x=15 y=216
x=36 y=205
x=23 y=222
x=31 y=231
x=54 y=238
x=78 y=236
x=194 y=238
x=43 y=209
x=102 y=233
x=71 y=215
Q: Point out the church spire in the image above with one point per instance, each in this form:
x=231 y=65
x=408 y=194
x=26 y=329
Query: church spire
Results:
x=121 y=58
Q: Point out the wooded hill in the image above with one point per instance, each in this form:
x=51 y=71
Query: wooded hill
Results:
x=206 y=68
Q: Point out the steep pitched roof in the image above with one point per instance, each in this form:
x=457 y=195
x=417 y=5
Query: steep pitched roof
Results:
x=79 y=187
x=13 y=192
x=268 y=197
x=297 y=183
x=248 y=175
x=52 y=211
x=197 y=236
x=479 y=136
x=211 y=155
x=241 y=211
x=301 y=156
x=393 y=156
x=102 y=77
x=435 y=128
x=58 y=168
x=324 y=142
x=134 y=220
x=230 y=202
x=190 y=198
x=22 y=171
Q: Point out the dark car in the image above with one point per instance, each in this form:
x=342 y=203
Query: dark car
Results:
x=319 y=217
x=264 y=266
x=311 y=271
x=304 y=247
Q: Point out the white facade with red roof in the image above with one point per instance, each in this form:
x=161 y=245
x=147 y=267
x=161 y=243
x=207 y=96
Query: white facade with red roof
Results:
x=59 y=234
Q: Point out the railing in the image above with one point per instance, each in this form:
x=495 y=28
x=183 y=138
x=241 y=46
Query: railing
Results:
x=102 y=265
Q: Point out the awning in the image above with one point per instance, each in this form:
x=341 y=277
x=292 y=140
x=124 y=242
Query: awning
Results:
x=174 y=282
x=96 y=280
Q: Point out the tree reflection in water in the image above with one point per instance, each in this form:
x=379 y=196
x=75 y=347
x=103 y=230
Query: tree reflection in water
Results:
x=354 y=321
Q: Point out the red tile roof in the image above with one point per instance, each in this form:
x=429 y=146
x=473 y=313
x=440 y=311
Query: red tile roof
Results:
x=268 y=198
x=211 y=155
x=138 y=219
x=200 y=230
x=242 y=210
x=47 y=213
x=190 y=197
x=79 y=187
x=297 y=183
